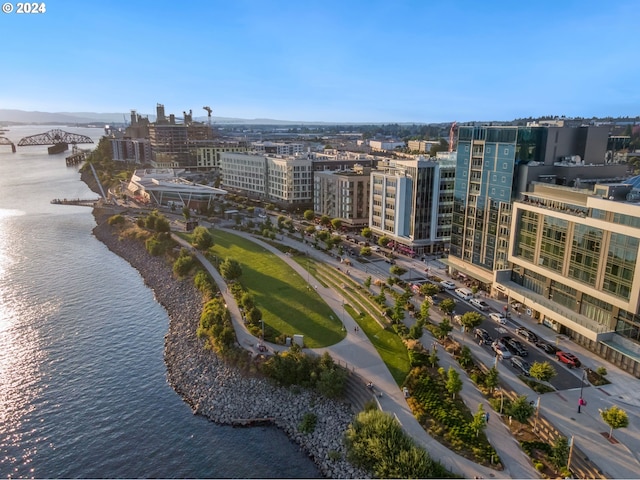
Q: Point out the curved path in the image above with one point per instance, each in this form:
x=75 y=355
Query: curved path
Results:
x=358 y=354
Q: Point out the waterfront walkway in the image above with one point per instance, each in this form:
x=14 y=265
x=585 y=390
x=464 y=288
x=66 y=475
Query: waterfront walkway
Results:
x=616 y=460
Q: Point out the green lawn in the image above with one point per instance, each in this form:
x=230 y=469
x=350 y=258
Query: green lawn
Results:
x=287 y=304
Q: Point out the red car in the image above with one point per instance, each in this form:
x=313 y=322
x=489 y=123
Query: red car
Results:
x=569 y=358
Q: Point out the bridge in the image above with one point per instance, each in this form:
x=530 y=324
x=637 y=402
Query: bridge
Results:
x=6 y=141
x=58 y=138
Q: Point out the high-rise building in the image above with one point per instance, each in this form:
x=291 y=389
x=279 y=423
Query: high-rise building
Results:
x=495 y=164
x=574 y=255
x=406 y=197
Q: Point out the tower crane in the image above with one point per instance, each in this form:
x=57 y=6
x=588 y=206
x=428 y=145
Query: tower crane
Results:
x=208 y=109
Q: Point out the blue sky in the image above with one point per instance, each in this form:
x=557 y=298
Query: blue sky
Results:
x=326 y=60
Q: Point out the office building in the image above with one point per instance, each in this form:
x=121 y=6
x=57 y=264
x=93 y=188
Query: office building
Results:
x=574 y=255
x=286 y=181
x=406 y=201
x=497 y=163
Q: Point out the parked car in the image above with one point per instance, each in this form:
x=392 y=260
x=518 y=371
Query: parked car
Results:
x=464 y=293
x=569 y=358
x=498 y=317
x=482 y=336
x=481 y=304
x=517 y=348
x=547 y=347
x=520 y=364
x=448 y=284
x=500 y=350
x=434 y=300
x=527 y=334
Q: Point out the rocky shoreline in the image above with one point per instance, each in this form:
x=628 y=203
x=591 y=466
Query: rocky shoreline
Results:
x=221 y=393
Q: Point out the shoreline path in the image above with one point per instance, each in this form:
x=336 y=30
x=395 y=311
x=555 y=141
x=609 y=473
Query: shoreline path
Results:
x=359 y=354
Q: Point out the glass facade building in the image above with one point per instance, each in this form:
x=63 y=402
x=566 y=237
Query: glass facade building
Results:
x=575 y=266
x=485 y=186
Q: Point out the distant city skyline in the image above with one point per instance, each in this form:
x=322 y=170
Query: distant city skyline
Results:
x=326 y=61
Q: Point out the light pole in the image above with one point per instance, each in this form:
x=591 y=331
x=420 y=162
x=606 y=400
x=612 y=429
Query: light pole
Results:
x=580 y=400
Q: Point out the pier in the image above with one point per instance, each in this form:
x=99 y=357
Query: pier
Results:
x=77 y=201
x=76 y=158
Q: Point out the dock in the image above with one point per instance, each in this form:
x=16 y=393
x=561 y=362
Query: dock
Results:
x=77 y=201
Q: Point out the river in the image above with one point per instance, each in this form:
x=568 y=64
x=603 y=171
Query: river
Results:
x=83 y=390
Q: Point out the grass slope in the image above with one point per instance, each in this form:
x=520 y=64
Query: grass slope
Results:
x=287 y=304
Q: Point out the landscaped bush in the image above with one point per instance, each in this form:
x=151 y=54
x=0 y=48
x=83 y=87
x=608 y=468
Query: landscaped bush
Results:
x=446 y=418
x=376 y=442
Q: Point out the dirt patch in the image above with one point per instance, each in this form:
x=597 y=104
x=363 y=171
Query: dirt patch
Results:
x=611 y=440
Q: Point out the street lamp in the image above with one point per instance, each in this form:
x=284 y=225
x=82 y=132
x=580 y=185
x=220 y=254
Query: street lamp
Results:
x=580 y=400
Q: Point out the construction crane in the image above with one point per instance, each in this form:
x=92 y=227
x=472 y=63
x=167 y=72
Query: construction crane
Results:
x=452 y=135
x=208 y=109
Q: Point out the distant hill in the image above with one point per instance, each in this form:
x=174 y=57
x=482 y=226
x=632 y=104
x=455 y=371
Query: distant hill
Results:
x=66 y=118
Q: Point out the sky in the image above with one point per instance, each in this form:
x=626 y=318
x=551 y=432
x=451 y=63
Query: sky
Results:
x=417 y=61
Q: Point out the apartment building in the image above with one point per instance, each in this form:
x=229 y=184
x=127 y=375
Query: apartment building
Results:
x=286 y=181
x=574 y=255
x=497 y=163
x=208 y=153
x=135 y=150
x=405 y=204
x=278 y=148
x=343 y=194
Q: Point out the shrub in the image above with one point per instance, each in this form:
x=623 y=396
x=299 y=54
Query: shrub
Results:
x=602 y=371
x=116 y=220
x=308 y=424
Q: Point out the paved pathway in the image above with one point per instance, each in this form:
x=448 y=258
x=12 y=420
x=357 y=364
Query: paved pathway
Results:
x=359 y=354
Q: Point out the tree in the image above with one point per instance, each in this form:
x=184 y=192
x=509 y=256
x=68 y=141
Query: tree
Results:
x=521 y=409
x=542 y=371
x=470 y=320
x=230 y=269
x=465 y=359
x=397 y=270
x=491 y=379
x=325 y=221
x=443 y=329
x=366 y=232
x=479 y=421
x=336 y=223
x=309 y=215
x=429 y=289
x=202 y=238
x=367 y=282
x=186 y=213
x=424 y=310
x=615 y=417
x=365 y=251
x=433 y=358
x=310 y=230
x=454 y=383
x=384 y=241
x=447 y=306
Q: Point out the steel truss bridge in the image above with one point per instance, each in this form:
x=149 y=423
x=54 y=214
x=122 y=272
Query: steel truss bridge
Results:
x=6 y=141
x=54 y=137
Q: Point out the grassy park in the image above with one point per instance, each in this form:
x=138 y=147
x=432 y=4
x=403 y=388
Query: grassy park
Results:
x=287 y=304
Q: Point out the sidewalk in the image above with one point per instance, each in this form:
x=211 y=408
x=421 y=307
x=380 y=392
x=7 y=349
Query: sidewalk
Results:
x=616 y=460
x=359 y=354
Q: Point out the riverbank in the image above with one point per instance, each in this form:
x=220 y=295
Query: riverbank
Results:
x=219 y=392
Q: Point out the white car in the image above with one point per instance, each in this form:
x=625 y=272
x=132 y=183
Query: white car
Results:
x=448 y=284
x=481 y=304
x=498 y=317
